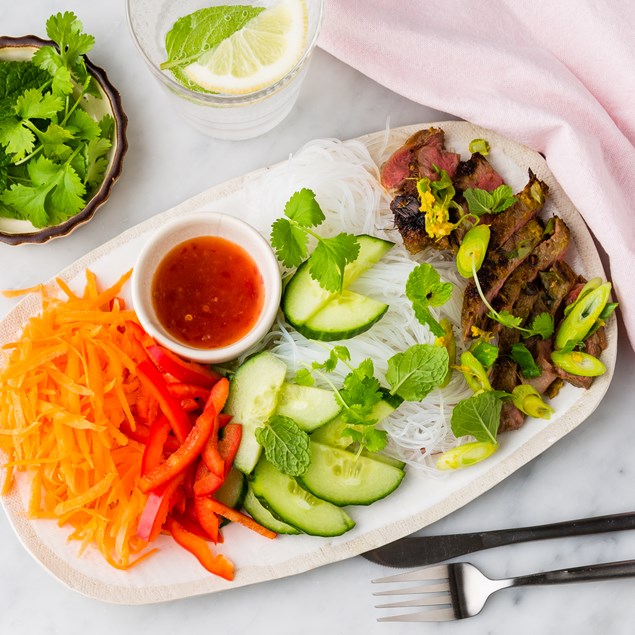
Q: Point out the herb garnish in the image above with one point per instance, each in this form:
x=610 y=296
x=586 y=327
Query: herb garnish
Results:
x=424 y=288
x=290 y=236
x=481 y=202
x=286 y=446
x=478 y=416
x=52 y=153
x=523 y=357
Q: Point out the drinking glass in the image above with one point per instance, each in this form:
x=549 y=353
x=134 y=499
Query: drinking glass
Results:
x=218 y=115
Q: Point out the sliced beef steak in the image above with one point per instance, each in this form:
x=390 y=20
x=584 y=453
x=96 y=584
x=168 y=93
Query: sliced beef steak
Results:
x=498 y=266
x=528 y=204
x=417 y=158
x=477 y=172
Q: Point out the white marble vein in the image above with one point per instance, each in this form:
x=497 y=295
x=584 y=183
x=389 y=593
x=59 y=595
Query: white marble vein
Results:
x=589 y=472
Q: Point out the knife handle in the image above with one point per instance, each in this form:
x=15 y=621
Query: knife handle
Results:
x=580 y=527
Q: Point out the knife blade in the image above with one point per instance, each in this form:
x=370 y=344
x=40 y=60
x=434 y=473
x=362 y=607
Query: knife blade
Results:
x=418 y=551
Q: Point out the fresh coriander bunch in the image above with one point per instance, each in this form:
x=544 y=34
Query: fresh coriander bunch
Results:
x=53 y=153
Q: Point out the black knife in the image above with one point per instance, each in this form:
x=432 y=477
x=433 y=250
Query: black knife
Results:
x=417 y=551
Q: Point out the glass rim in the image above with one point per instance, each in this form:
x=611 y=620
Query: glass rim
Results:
x=219 y=98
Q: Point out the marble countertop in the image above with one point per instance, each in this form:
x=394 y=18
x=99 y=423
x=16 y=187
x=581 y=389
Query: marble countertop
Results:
x=589 y=472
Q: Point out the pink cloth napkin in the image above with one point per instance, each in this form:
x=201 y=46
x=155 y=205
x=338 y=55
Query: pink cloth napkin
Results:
x=557 y=76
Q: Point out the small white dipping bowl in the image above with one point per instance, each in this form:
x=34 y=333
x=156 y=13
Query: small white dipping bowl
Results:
x=194 y=226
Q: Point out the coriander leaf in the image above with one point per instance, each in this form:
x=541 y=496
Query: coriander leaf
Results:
x=523 y=357
x=477 y=416
x=47 y=58
x=83 y=126
x=67 y=197
x=107 y=127
x=17 y=139
x=330 y=256
x=506 y=318
x=338 y=353
x=374 y=440
x=30 y=202
x=96 y=161
x=423 y=288
x=485 y=353
x=286 y=445
x=359 y=393
x=33 y=104
x=424 y=283
x=304 y=209
x=65 y=29
x=289 y=242
x=54 y=140
x=418 y=370
x=304 y=378
x=543 y=325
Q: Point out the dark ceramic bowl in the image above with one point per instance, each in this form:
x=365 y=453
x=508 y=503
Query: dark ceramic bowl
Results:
x=16 y=232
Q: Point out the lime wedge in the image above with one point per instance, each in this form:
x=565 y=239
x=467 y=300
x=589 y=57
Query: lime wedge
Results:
x=256 y=56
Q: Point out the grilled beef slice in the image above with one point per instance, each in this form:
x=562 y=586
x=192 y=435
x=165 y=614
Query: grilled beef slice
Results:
x=528 y=204
x=410 y=222
x=477 y=172
x=497 y=267
x=415 y=160
x=544 y=255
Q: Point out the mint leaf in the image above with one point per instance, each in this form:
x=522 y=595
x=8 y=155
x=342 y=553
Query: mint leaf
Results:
x=286 y=445
x=201 y=31
x=15 y=78
x=330 y=256
x=417 y=371
x=289 y=242
x=523 y=357
x=481 y=202
x=304 y=209
x=477 y=416
x=424 y=288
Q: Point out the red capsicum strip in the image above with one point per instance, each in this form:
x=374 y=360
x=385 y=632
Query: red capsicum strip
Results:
x=155 y=384
x=206 y=481
x=186 y=372
x=199 y=547
x=229 y=443
x=157 y=436
x=211 y=456
x=186 y=454
x=207 y=517
x=157 y=508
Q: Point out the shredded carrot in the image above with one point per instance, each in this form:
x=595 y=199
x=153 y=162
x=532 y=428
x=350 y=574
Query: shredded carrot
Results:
x=66 y=389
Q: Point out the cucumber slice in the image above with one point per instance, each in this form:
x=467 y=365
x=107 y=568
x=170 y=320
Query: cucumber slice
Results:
x=292 y=504
x=342 y=478
x=304 y=297
x=253 y=396
x=308 y=406
x=233 y=490
x=331 y=432
x=263 y=516
x=344 y=316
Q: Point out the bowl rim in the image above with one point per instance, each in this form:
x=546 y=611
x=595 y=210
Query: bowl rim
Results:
x=239 y=232
x=113 y=174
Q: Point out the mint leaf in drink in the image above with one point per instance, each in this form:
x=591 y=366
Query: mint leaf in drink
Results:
x=286 y=446
x=417 y=371
x=198 y=32
x=477 y=416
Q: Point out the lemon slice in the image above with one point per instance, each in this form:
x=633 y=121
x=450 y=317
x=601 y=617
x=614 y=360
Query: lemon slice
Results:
x=256 y=56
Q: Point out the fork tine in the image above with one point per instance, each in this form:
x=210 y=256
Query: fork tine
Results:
x=438 y=615
x=431 y=600
x=438 y=572
x=422 y=588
